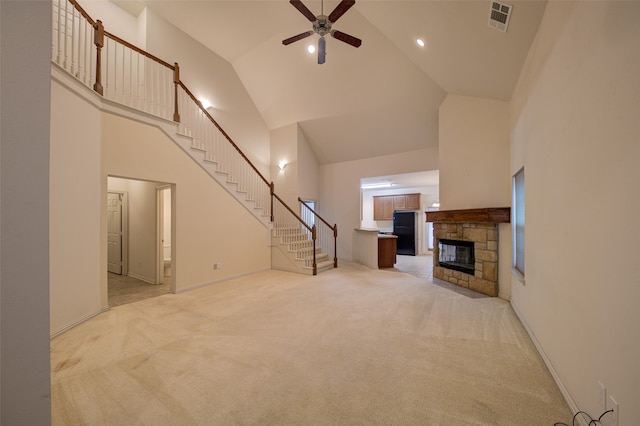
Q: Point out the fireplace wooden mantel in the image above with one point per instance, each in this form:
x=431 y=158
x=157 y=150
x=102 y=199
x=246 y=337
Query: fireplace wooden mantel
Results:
x=485 y=215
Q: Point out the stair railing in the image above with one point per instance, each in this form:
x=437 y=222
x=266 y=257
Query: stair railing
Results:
x=123 y=73
x=293 y=231
x=327 y=235
x=126 y=74
x=219 y=148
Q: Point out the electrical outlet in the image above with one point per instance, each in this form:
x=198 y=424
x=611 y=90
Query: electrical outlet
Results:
x=613 y=405
x=217 y=266
x=602 y=396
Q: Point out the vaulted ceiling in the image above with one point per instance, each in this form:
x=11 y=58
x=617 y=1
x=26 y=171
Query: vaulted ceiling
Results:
x=378 y=99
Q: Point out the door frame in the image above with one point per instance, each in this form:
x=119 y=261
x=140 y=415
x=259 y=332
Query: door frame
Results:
x=159 y=234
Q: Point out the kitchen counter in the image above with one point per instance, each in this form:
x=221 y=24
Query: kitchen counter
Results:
x=369 y=244
x=365 y=247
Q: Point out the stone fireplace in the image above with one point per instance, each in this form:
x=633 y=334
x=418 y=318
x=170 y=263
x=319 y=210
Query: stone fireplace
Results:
x=466 y=247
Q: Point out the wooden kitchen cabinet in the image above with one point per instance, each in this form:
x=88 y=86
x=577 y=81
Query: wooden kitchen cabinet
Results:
x=399 y=202
x=387 y=247
x=385 y=205
x=412 y=201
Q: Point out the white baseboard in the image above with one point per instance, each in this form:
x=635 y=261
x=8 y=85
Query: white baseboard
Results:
x=556 y=377
x=76 y=322
x=197 y=286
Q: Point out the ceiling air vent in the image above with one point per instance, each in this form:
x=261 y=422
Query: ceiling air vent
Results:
x=499 y=16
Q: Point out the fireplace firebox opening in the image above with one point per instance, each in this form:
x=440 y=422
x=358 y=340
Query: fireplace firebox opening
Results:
x=457 y=255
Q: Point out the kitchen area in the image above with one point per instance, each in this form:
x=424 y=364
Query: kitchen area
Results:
x=392 y=221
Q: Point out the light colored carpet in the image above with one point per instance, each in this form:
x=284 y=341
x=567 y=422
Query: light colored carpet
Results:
x=351 y=346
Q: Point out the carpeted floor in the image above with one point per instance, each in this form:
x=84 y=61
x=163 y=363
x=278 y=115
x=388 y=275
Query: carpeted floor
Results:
x=351 y=346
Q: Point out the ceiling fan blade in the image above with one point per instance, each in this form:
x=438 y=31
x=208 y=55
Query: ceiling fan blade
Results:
x=341 y=9
x=303 y=9
x=297 y=37
x=349 y=39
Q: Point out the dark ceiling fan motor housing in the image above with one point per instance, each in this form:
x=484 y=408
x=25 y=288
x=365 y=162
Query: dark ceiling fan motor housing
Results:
x=322 y=26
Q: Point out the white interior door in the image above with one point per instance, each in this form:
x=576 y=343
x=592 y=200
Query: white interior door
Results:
x=114 y=233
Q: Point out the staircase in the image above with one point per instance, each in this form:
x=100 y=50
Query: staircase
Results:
x=292 y=250
x=127 y=75
x=300 y=244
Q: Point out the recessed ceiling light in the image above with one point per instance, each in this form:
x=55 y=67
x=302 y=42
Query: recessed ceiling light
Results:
x=311 y=48
x=420 y=42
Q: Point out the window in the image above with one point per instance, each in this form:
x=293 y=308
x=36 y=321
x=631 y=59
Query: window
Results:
x=518 y=221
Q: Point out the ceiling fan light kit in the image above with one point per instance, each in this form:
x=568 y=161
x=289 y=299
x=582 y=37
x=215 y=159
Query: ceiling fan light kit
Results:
x=322 y=26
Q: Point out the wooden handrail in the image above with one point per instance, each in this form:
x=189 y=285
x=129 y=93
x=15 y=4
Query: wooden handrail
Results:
x=295 y=215
x=334 y=228
x=140 y=51
x=186 y=89
x=317 y=215
x=83 y=12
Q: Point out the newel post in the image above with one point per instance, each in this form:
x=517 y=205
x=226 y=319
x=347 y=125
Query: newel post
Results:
x=313 y=236
x=176 y=81
x=272 y=189
x=98 y=39
x=335 y=245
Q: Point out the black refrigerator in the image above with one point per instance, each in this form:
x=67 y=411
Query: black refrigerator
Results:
x=404 y=226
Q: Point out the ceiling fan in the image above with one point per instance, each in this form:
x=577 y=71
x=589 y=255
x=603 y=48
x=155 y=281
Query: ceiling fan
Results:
x=322 y=26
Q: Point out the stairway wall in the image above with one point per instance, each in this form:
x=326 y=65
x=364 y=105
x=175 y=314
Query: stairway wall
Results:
x=77 y=275
x=210 y=76
x=211 y=225
x=89 y=144
x=300 y=178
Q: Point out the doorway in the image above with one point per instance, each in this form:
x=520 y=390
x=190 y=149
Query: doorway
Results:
x=136 y=229
x=164 y=244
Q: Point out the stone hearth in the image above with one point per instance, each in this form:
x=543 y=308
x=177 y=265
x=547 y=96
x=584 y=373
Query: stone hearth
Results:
x=479 y=226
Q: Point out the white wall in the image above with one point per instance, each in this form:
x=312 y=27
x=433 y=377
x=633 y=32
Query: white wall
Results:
x=308 y=169
x=75 y=209
x=340 y=188
x=209 y=76
x=116 y=20
x=474 y=153
x=211 y=226
x=284 y=148
x=575 y=129
x=25 y=391
x=300 y=176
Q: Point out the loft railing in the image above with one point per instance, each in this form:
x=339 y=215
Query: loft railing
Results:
x=126 y=74
x=123 y=73
x=326 y=234
x=113 y=67
x=292 y=230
